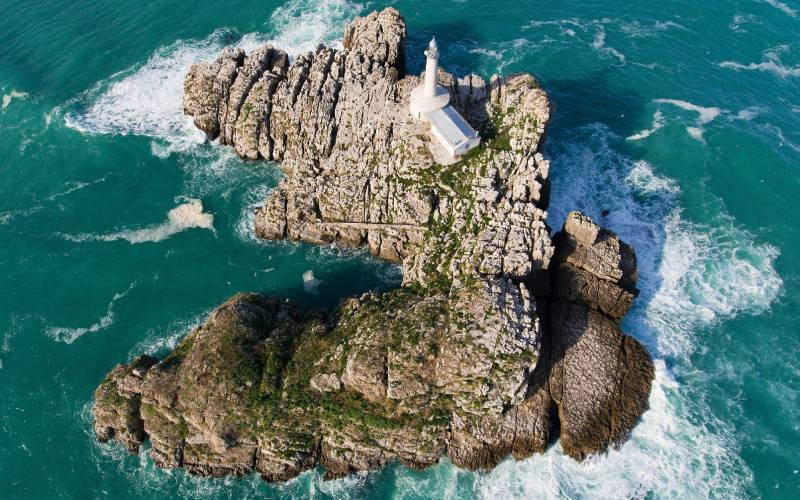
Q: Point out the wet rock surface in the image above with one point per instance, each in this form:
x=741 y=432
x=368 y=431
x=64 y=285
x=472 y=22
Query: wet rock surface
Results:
x=499 y=339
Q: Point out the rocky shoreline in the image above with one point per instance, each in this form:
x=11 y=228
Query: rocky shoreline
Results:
x=500 y=340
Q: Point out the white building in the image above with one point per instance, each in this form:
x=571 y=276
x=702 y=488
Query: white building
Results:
x=430 y=102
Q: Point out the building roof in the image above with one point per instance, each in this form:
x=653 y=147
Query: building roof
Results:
x=451 y=125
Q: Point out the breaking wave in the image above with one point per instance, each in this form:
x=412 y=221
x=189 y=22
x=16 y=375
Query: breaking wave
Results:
x=665 y=454
x=253 y=198
x=691 y=275
x=185 y=216
x=389 y=275
x=146 y=99
x=300 y=25
x=159 y=342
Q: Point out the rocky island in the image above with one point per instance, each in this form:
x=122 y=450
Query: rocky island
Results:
x=500 y=340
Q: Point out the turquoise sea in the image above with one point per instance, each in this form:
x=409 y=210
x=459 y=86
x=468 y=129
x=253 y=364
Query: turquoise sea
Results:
x=120 y=229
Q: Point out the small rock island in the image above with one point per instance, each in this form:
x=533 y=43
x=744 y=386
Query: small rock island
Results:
x=500 y=340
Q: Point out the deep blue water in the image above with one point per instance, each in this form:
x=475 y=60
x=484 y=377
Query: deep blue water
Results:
x=120 y=228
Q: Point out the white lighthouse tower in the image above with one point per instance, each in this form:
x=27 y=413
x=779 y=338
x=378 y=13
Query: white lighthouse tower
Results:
x=430 y=102
x=430 y=95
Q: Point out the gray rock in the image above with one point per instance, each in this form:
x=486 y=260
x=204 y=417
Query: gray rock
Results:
x=326 y=382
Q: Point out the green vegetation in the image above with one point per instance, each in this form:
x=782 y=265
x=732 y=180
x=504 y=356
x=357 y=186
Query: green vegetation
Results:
x=345 y=408
x=246 y=110
x=110 y=394
x=297 y=348
x=148 y=411
x=183 y=429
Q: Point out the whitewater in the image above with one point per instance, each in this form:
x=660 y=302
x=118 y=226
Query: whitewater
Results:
x=137 y=242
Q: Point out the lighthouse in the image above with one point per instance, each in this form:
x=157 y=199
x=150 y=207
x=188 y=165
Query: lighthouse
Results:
x=430 y=102
x=430 y=95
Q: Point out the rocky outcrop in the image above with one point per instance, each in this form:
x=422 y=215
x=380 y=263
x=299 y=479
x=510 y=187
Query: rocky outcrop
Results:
x=499 y=339
x=599 y=378
x=117 y=403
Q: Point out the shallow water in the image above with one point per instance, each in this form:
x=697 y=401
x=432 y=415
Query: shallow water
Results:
x=120 y=228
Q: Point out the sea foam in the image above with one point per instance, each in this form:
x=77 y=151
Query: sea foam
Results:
x=253 y=198
x=658 y=122
x=691 y=276
x=160 y=341
x=74 y=186
x=310 y=283
x=772 y=64
x=146 y=99
x=14 y=94
x=5 y=346
x=69 y=335
x=666 y=454
x=705 y=115
x=185 y=216
x=300 y=25
x=782 y=7
x=599 y=44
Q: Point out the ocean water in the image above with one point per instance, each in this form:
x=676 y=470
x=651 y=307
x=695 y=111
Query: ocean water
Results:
x=120 y=228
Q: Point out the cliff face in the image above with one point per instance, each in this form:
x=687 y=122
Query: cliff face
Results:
x=497 y=334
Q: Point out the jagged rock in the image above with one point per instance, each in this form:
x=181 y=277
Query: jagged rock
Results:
x=252 y=122
x=201 y=405
x=359 y=170
x=596 y=268
x=498 y=338
x=206 y=90
x=600 y=378
x=482 y=442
